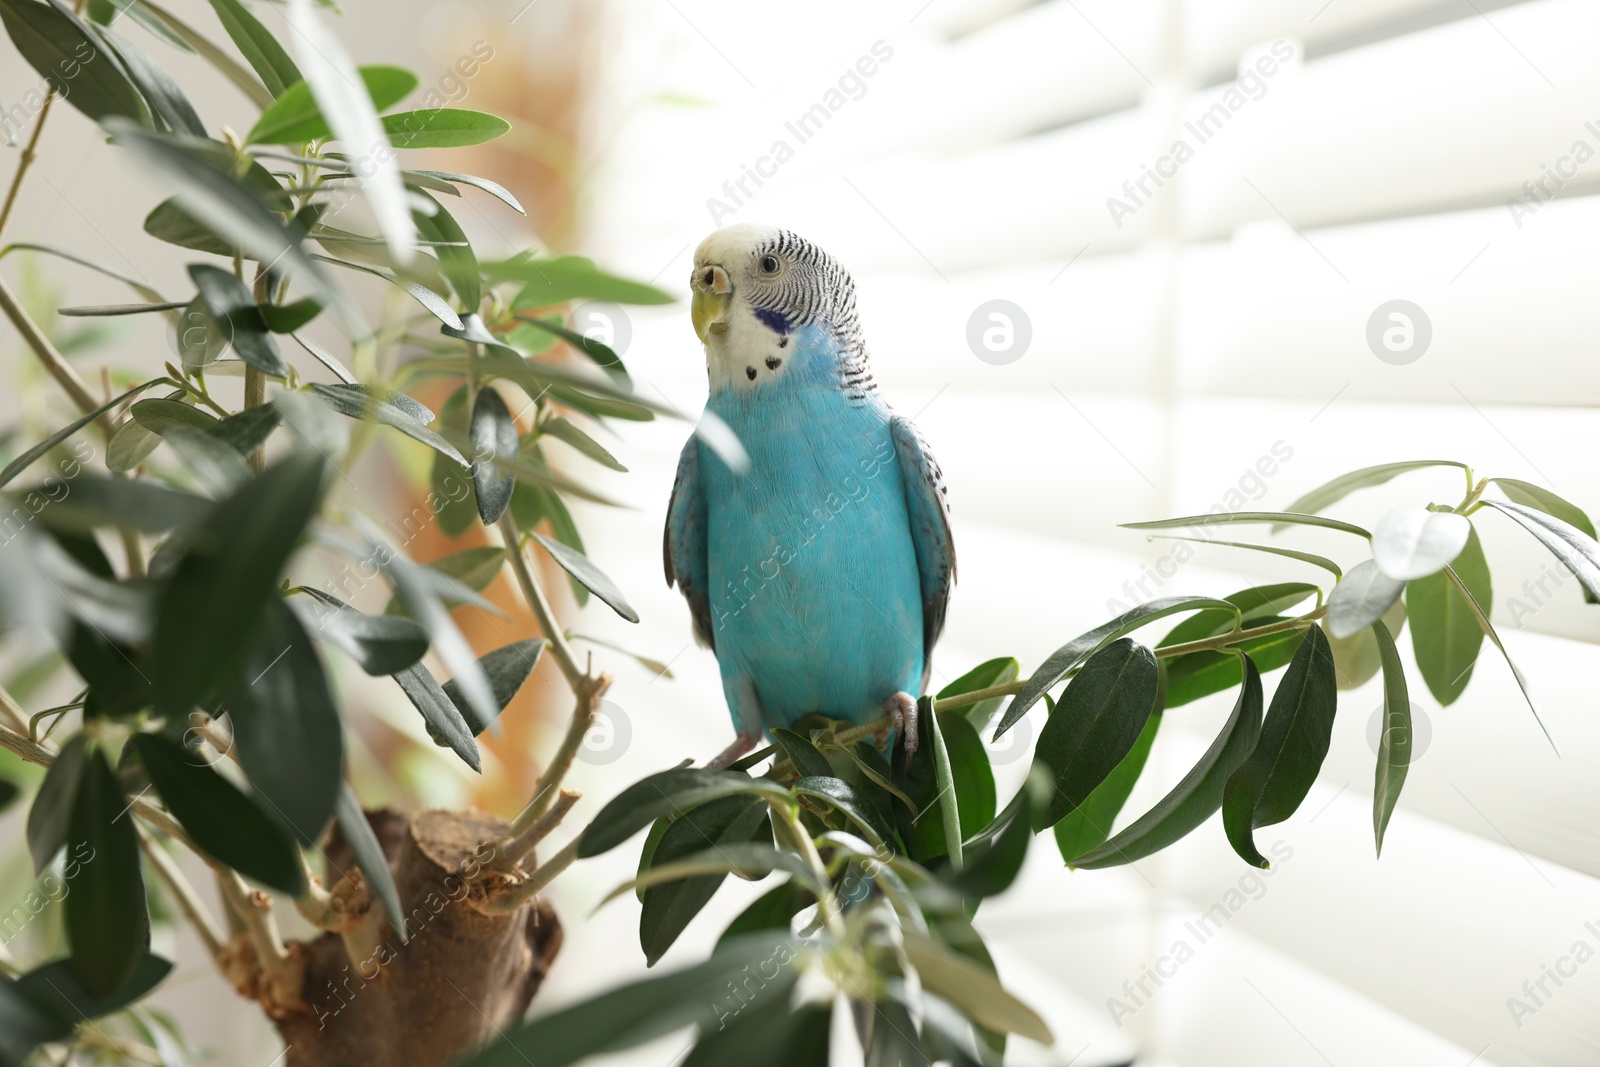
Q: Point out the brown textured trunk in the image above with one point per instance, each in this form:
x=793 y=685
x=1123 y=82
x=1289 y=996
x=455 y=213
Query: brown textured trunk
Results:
x=460 y=976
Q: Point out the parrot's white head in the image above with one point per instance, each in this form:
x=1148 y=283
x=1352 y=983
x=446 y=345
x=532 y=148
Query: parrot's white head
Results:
x=758 y=291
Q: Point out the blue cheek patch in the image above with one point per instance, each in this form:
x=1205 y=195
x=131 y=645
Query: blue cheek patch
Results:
x=776 y=321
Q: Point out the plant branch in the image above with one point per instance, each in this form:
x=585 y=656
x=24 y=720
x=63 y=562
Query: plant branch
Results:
x=510 y=851
x=54 y=362
x=183 y=891
x=29 y=154
x=538 y=603
x=254 y=910
x=542 y=876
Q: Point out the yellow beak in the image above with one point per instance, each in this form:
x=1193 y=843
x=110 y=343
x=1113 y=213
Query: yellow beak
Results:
x=712 y=300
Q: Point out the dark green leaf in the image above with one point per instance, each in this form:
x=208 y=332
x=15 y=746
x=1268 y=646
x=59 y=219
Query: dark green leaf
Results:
x=442 y=127
x=1445 y=636
x=840 y=795
x=1089 y=824
x=1064 y=659
x=55 y=988
x=601 y=354
x=1095 y=724
x=369 y=855
x=803 y=754
x=456 y=259
x=1199 y=674
x=359 y=402
x=1198 y=796
x=666 y=793
x=991 y=867
x=494 y=437
x=287 y=318
x=24 y=1026
x=136 y=505
x=261 y=50
x=69 y=55
x=227 y=578
x=215 y=465
x=1541 y=499
x=158 y=416
x=772 y=910
x=971 y=774
x=1356 y=658
x=668 y=908
x=50 y=816
x=230 y=303
x=107 y=924
x=507 y=668
x=446 y=725
x=1279 y=517
x=773 y=1033
x=563 y=430
x=1394 y=743
x=1271 y=783
x=381 y=644
x=225 y=823
x=1253 y=603
x=494 y=189
x=294 y=117
x=162 y=94
x=248 y=430
x=286 y=725
x=595 y=580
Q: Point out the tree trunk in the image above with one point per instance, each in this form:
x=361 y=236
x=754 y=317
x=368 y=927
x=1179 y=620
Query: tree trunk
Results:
x=458 y=978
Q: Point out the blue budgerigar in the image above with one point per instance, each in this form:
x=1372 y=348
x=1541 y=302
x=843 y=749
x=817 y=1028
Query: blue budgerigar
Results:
x=820 y=574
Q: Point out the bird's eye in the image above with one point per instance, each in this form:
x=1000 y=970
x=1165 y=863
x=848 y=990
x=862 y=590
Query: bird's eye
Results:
x=769 y=264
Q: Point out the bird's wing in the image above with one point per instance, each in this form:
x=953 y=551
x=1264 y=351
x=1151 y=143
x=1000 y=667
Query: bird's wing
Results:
x=683 y=547
x=929 y=510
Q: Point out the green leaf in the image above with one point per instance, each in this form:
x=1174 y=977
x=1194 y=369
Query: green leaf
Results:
x=55 y=988
x=961 y=764
x=1198 y=796
x=1357 y=658
x=494 y=437
x=220 y=60
x=261 y=50
x=227 y=206
x=637 y=1012
x=107 y=924
x=476 y=568
x=1253 y=603
x=1394 y=743
x=1577 y=551
x=1279 y=517
x=507 y=668
x=136 y=505
x=26 y=460
x=443 y=127
x=49 y=819
x=991 y=866
x=664 y=794
x=380 y=644
x=1483 y=623
x=436 y=305
x=294 y=117
x=750 y=860
x=248 y=430
x=227 y=825
x=24 y=1025
x=1272 y=550
x=1089 y=824
x=1331 y=492
x=972 y=989
x=1271 y=783
x=669 y=908
x=286 y=725
x=1095 y=724
x=592 y=578
x=563 y=430
x=808 y=762
x=989 y=673
x=775 y=1033
x=1358 y=601
x=215 y=465
x=446 y=725
x=456 y=258
x=1060 y=662
x=494 y=189
x=382 y=406
x=1541 y=499
x=552 y=281
x=772 y=910
x=1411 y=543
x=1200 y=674
x=843 y=797
x=287 y=318
x=158 y=416
x=602 y=354
x=227 y=578
x=69 y=55
x=1445 y=636
x=161 y=93
x=230 y=303
x=369 y=855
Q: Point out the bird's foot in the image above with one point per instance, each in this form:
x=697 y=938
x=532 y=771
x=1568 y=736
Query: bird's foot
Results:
x=742 y=743
x=902 y=711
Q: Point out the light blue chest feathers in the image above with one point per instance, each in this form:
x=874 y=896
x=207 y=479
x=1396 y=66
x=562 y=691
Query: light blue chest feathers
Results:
x=812 y=574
